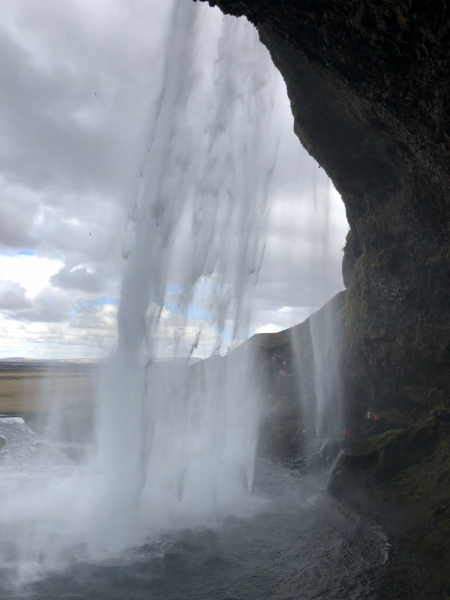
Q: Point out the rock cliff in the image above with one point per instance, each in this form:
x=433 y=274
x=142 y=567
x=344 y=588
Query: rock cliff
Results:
x=299 y=369
x=369 y=83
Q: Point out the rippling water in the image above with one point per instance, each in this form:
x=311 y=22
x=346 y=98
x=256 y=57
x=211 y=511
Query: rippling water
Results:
x=299 y=544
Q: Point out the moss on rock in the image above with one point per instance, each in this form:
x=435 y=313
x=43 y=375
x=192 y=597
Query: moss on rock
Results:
x=408 y=469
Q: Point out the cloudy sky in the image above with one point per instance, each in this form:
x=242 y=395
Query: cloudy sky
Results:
x=80 y=82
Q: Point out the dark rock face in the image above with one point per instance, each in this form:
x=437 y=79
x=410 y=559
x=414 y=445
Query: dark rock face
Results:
x=409 y=469
x=286 y=365
x=369 y=84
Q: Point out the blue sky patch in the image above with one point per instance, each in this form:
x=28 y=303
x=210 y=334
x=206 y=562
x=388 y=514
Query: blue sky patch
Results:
x=21 y=252
x=101 y=301
x=194 y=312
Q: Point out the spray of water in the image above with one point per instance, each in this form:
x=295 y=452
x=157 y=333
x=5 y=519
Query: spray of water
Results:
x=326 y=338
x=197 y=220
x=326 y=329
x=176 y=444
x=316 y=343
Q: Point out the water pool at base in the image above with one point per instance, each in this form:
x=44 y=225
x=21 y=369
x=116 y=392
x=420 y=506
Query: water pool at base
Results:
x=299 y=545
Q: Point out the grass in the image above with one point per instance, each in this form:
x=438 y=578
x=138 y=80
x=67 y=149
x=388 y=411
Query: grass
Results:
x=36 y=387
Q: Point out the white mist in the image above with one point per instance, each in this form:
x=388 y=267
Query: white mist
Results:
x=176 y=445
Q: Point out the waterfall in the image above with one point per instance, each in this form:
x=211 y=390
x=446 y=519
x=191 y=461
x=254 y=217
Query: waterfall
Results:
x=316 y=343
x=176 y=443
x=326 y=338
x=189 y=439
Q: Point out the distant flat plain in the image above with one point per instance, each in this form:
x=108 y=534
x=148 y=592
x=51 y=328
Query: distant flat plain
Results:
x=40 y=386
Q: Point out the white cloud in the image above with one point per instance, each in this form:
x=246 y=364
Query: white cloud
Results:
x=13 y=296
x=90 y=335
x=31 y=272
x=80 y=79
x=270 y=328
x=78 y=278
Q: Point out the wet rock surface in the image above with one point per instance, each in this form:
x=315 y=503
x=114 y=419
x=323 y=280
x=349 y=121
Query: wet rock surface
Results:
x=369 y=84
x=402 y=479
x=286 y=366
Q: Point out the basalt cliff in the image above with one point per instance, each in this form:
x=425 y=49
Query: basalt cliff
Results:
x=369 y=85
